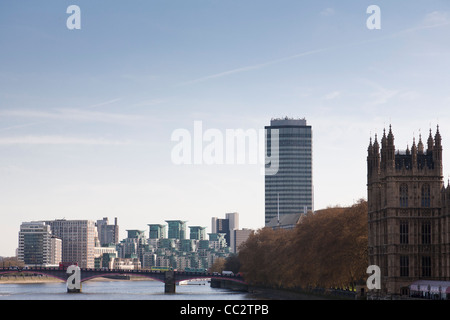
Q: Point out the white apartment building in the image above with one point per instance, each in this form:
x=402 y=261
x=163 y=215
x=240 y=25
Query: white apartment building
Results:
x=37 y=245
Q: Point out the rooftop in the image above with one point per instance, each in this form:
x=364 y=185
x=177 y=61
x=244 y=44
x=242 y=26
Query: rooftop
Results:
x=286 y=121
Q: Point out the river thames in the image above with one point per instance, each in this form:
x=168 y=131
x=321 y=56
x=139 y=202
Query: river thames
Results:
x=117 y=290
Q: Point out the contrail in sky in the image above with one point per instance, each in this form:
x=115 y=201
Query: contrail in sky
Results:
x=254 y=67
x=308 y=53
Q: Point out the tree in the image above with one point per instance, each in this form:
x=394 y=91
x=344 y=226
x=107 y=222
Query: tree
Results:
x=10 y=261
x=262 y=255
x=232 y=263
x=218 y=265
x=327 y=248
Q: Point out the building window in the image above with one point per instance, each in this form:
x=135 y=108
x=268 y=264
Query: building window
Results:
x=404 y=266
x=426 y=266
x=404 y=232
x=426 y=232
x=404 y=195
x=426 y=198
x=404 y=291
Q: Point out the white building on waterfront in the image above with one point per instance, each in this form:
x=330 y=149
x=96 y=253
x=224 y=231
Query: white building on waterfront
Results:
x=37 y=245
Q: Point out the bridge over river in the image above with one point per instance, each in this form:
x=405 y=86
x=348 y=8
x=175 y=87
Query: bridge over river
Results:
x=75 y=275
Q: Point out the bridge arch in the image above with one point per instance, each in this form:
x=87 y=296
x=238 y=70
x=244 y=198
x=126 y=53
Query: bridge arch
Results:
x=90 y=277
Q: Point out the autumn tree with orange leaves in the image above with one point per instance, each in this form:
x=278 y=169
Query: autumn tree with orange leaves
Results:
x=327 y=248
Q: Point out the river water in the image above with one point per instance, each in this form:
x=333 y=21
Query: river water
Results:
x=117 y=290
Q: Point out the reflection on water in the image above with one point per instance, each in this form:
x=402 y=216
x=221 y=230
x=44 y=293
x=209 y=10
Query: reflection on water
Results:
x=116 y=290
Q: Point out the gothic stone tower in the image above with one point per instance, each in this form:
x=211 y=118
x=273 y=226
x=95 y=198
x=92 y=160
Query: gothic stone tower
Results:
x=406 y=220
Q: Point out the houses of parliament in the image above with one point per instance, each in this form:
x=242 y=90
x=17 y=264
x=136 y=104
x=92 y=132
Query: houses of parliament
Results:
x=408 y=212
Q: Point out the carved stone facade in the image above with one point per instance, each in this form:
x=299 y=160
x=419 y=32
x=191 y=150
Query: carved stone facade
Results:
x=408 y=213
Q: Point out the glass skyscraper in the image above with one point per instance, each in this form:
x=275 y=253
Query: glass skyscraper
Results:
x=226 y=226
x=197 y=233
x=177 y=229
x=288 y=188
x=157 y=231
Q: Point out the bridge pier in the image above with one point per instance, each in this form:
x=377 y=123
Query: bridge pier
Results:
x=74 y=279
x=69 y=290
x=169 y=282
x=73 y=286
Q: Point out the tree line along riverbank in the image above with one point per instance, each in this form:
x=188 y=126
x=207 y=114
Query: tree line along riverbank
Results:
x=326 y=249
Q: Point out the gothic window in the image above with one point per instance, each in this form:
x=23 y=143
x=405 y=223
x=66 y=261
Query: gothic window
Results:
x=426 y=266
x=404 y=232
x=426 y=198
x=385 y=268
x=404 y=266
x=404 y=195
x=426 y=232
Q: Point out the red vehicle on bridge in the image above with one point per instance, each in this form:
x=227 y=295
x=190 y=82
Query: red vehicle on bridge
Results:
x=64 y=265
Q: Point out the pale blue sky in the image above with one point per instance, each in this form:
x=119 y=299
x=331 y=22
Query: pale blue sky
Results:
x=86 y=116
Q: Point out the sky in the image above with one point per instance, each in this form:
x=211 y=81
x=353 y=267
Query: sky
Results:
x=87 y=115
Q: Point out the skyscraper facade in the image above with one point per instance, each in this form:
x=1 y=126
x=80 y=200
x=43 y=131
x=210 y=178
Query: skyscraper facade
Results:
x=240 y=236
x=289 y=188
x=197 y=233
x=226 y=226
x=177 y=229
x=37 y=245
x=78 y=240
x=134 y=246
x=107 y=233
x=157 y=231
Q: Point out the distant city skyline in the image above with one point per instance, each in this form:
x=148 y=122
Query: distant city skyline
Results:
x=63 y=242
x=87 y=115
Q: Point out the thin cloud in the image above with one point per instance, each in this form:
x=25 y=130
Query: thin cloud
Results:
x=71 y=114
x=436 y=18
x=104 y=103
x=20 y=126
x=433 y=20
x=255 y=67
x=380 y=95
x=149 y=103
x=327 y=12
x=332 y=95
x=57 y=140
